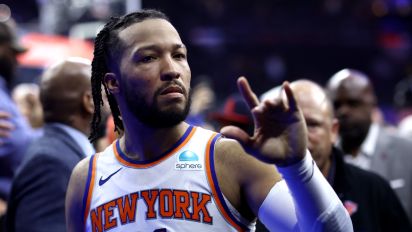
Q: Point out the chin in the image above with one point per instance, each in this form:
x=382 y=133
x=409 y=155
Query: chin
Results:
x=164 y=118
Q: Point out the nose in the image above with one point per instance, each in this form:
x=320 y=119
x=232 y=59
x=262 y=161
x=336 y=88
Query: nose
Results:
x=342 y=111
x=170 y=70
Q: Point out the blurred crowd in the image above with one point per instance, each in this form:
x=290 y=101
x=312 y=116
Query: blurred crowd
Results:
x=357 y=107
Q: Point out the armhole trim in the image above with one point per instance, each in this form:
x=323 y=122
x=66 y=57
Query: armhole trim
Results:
x=214 y=185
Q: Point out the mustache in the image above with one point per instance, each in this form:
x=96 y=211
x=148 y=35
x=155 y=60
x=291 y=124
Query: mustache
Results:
x=172 y=83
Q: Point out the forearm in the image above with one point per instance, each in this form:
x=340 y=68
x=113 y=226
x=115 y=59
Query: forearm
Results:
x=314 y=206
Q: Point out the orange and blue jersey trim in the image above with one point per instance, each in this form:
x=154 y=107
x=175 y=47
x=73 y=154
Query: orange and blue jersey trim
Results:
x=87 y=197
x=214 y=185
x=123 y=159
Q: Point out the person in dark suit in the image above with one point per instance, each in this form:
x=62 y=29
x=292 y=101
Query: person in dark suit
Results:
x=15 y=133
x=368 y=198
x=38 y=191
x=368 y=144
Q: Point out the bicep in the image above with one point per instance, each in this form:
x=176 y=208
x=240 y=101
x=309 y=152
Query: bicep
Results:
x=255 y=178
x=258 y=183
x=74 y=197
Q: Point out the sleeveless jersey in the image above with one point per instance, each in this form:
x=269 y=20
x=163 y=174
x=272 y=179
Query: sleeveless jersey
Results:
x=176 y=192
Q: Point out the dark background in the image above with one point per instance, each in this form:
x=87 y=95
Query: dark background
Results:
x=272 y=41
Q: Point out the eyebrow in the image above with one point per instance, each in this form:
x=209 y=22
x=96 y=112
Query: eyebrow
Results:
x=156 y=47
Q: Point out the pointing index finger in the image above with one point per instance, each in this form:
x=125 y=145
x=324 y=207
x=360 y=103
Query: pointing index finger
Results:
x=248 y=95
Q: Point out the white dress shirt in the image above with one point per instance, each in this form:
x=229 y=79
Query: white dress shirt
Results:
x=364 y=156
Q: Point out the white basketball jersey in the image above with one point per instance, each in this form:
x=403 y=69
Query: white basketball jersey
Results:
x=176 y=192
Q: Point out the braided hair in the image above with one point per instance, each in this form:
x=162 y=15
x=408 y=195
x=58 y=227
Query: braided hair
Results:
x=108 y=49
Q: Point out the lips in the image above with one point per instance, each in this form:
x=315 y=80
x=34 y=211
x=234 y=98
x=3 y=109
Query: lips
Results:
x=171 y=89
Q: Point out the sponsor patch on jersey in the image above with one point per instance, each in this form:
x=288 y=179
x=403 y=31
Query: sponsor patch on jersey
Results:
x=188 y=161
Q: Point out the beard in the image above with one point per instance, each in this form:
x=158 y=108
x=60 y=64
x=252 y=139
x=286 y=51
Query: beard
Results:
x=353 y=135
x=152 y=115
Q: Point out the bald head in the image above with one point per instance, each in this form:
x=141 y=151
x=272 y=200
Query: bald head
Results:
x=354 y=100
x=318 y=113
x=63 y=90
x=352 y=82
x=309 y=93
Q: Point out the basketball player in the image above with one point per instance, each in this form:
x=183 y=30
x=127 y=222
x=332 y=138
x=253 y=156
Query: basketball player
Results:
x=166 y=175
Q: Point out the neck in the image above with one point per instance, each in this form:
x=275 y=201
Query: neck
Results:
x=326 y=167
x=351 y=147
x=140 y=142
x=354 y=152
x=80 y=124
x=352 y=142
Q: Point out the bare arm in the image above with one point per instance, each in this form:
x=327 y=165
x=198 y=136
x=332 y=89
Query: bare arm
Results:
x=239 y=172
x=74 y=197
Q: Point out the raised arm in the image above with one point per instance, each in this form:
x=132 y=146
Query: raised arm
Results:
x=280 y=138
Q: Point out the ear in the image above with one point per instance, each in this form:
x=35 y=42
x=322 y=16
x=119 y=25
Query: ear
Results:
x=31 y=100
x=110 y=80
x=335 y=130
x=87 y=101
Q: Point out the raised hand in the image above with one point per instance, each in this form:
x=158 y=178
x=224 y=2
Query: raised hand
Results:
x=280 y=130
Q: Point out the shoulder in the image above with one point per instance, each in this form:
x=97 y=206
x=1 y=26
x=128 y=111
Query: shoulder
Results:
x=75 y=194
x=375 y=189
x=230 y=153
x=55 y=142
x=78 y=178
x=81 y=171
x=366 y=178
x=49 y=142
x=395 y=140
x=50 y=150
x=42 y=160
x=229 y=150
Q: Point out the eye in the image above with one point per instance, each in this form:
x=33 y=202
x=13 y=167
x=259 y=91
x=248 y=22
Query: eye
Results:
x=147 y=59
x=179 y=56
x=313 y=124
x=354 y=103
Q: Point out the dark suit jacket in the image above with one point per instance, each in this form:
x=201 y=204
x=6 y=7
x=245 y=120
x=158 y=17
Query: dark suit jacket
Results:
x=38 y=191
x=393 y=161
x=369 y=199
x=372 y=204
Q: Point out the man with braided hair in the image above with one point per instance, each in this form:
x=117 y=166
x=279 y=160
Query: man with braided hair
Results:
x=166 y=175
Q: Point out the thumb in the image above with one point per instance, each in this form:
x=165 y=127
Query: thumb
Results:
x=236 y=133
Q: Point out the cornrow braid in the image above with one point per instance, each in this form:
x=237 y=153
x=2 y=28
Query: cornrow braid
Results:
x=107 y=50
